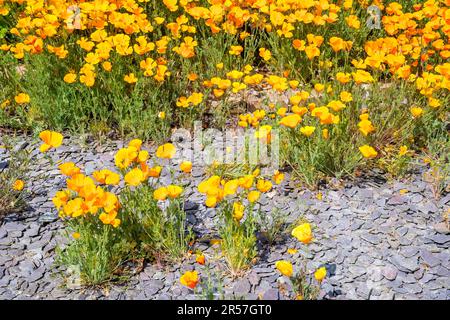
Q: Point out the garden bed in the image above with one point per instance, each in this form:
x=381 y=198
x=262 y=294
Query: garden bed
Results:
x=377 y=240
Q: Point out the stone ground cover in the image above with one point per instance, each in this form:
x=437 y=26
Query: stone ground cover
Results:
x=351 y=96
x=379 y=239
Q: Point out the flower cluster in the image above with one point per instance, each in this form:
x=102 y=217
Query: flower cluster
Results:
x=85 y=195
x=316 y=53
x=302 y=288
x=101 y=31
x=251 y=185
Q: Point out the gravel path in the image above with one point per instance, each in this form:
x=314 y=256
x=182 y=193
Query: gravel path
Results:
x=378 y=242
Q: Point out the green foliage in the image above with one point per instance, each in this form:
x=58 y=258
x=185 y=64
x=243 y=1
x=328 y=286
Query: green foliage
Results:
x=303 y=285
x=14 y=169
x=161 y=233
x=97 y=252
x=388 y=107
x=272 y=224
x=238 y=238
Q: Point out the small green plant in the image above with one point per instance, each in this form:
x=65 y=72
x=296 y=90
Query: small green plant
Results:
x=13 y=177
x=437 y=155
x=398 y=163
x=438 y=178
x=235 y=200
x=272 y=224
x=212 y=287
x=97 y=251
x=238 y=236
x=144 y=219
x=162 y=233
x=228 y=171
x=303 y=285
x=208 y=285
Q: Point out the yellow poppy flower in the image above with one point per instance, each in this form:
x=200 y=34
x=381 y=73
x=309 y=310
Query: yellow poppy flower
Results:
x=174 y=191
x=51 y=139
x=134 y=177
x=130 y=78
x=70 y=78
x=291 y=121
x=186 y=166
x=263 y=185
x=278 y=177
x=303 y=233
x=76 y=235
x=160 y=193
x=285 y=267
x=307 y=130
x=265 y=54
x=135 y=143
x=230 y=187
x=403 y=150
x=190 y=279
x=200 y=259
x=320 y=274
x=69 y=169
x=166 y=151
x=18 y=185
x=22 y=98
x=368 y=152
x=253 y=196
x=416 y=112
x=238 y=211
x=107 y=177
x=211 y=202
